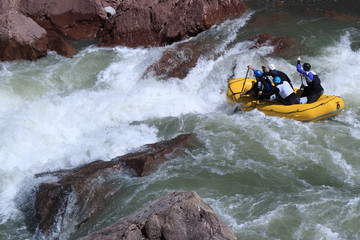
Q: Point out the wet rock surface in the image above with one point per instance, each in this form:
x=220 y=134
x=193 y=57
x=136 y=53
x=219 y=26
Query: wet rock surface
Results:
x=158 y=23
x=176 y=62
x=81 y=192
x=178 y=215
x=279 y=44
x=21 y=38
x=129 y=23
x=59 y=21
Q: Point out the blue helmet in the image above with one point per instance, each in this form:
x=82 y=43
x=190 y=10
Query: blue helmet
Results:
x=258 y=73
x=277 y=80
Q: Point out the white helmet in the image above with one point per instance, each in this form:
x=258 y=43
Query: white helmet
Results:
x=272 y=67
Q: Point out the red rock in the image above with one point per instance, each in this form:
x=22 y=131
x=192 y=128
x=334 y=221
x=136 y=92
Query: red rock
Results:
x=136 y=23
x=152 y=155
x=280 y=44
x=75 y=19
x=68 y=19
x=62 y=20
x=338 y=15
x=177 y=62
x=178 y=215
x=21 y=38
x=157 y=23
x=57 y=41
x=8 y=6
x=280 y=3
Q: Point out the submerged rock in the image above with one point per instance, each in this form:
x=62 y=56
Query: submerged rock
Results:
x=279 y=44
x=77 y=194
x=178 y=215
x=176 y=62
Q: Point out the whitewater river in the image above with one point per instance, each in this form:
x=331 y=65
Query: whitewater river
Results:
x=266 y=177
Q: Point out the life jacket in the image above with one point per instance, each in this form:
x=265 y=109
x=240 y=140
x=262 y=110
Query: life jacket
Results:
x=315 y=84
x=284 y=89
x=264 y=84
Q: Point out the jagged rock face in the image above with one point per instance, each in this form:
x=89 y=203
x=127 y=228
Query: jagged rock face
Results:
x=60 y=20
x=8 y=6
x=81 y=192
x=157 y=23
x=75 y=19
x=67 y=19
x=135 y=23
x=21 y=38
x=178 y=215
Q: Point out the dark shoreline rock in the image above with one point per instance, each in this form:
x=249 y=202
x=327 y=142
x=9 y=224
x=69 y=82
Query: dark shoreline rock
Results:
x=178 y=215
x=159 y=23
x=21 y=38
x=129 y=23
x=81 y=192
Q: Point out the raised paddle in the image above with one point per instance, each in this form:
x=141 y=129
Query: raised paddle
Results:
x=244 y=81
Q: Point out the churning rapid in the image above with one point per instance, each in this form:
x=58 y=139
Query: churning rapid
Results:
x=266 y=177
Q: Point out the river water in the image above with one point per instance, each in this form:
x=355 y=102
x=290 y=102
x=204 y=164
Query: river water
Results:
x=266 y=177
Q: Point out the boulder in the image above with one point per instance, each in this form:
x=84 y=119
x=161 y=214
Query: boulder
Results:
x=60 y=20
x=177 y=61
x=68 y=19
x=21 y=38
x=158 y=23
x=279 y=44
x=130 y=23
x=8 y=6
x=144 y=162
x=75 y=19
x=178 y=215
x=77 y=194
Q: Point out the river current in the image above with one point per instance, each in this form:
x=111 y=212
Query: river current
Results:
x=265 y=177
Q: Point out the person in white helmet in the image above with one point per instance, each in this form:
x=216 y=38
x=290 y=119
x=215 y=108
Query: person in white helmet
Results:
x=284 y=92
x=272 y=71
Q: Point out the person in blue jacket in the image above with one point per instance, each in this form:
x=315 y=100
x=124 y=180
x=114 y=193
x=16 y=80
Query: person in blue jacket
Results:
x=262 y=85
x=313 y=90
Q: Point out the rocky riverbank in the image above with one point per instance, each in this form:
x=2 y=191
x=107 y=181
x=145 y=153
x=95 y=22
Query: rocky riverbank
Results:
x=30 y=28
x=78 y=194
x=82 y=192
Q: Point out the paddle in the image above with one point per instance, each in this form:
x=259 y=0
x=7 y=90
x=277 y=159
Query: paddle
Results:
x=247 y=72
x=302 y=83
x=244 y=81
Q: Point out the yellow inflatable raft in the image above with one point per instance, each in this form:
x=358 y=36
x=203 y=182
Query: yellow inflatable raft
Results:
x=326 y=106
